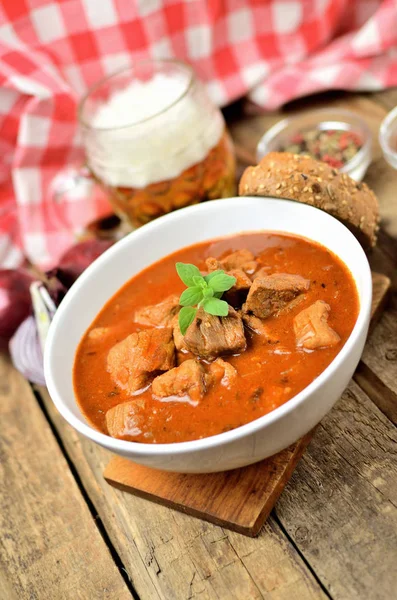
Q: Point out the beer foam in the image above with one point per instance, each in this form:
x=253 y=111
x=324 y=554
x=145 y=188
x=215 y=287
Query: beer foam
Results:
x=150 y=132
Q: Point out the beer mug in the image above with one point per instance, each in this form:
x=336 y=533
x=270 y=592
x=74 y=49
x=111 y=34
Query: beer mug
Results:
x=154 y=140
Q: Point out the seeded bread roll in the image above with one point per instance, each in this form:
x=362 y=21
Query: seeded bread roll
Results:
x=307 y=180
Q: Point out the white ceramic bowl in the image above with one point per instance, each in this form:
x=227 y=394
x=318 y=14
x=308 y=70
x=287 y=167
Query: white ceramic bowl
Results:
x=258 y=439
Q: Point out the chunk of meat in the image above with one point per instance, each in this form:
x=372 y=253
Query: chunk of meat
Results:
x=179 y=340
x=135 y=360
x=211 y=336
x=311 y=328
x=268 y=295
x=125 y=420
x=158 y=315
x=213 y=264
x=243 y=260
x=221 y=372
x=260 y=328
x=184 y=382
x=254 y=323
x=262 y=272
x=237 y=294
x=243 y=282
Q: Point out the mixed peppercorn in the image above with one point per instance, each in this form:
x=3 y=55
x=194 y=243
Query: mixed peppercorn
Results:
x=333 y=146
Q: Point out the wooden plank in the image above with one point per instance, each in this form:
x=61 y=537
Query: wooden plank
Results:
x=340 y=507
x=240 y=500
x=49 y=541
x=377 y=373
x=171 y=555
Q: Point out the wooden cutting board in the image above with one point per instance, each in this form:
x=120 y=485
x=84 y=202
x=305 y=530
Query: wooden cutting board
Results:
x=240 y=499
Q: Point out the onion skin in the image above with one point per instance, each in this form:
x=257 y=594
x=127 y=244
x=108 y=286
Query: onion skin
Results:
x=15 y=302
x=25 y=351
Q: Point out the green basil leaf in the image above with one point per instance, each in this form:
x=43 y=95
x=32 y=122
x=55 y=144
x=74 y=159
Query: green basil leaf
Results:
x=222 y=282
x=212 y=275
x=186 y=272
x=186 y=318
x=191 y=296
x=216 y=307
x=208 y=292
x=198 y=280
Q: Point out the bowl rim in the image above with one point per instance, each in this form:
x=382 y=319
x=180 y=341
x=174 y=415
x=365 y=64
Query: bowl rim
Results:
x=384 y=132
x=345 y=116
x=177 y=448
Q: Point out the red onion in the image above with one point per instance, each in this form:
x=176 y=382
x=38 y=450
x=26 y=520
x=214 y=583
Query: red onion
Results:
x=26 y=352
x=77 y=258
x=15 y=302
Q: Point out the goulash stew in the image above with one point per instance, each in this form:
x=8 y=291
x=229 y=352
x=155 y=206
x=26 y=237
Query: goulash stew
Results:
x=213 y=337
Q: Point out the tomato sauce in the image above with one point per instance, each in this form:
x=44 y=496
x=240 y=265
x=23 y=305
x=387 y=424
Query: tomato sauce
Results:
x=269 y=374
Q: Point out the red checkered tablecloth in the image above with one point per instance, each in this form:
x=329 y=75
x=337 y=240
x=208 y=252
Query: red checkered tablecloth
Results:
x=52 y=51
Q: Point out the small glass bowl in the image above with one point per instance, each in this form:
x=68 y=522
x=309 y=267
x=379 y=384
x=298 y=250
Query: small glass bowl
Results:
x=338 y=119
x=388 y=137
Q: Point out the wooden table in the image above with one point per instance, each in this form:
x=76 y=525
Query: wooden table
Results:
x=65 y=533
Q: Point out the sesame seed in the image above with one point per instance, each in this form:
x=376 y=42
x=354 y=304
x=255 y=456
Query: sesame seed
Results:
x=344 y=202
x=305 y=189
x=278 y=186
x=319 y=179
x=261 y=187
x=317 y=197
x=311 y=199
x=246 y=187
x=295 y=188
x=278 y=193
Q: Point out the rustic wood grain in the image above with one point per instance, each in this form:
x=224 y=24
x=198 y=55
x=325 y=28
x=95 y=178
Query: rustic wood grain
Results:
x=172 y=556
x=340 y=507
x=377 y=373
x=49 y=544
x=240 y=499
x=380 y=293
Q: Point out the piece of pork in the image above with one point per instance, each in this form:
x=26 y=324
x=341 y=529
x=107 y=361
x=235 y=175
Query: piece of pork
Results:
x=135 y=360
x=258 y=326
x=268 y=295
x=125 y=420
x=209 y=336
x=158 y=315
x=238 y=293
x=241 y=259
x=221 y=372
x=311 y=328
x=179 y=340
x=262 y=272
x=186 y=382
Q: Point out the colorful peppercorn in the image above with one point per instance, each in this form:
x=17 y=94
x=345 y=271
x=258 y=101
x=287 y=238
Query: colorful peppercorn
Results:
x=333 y=146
